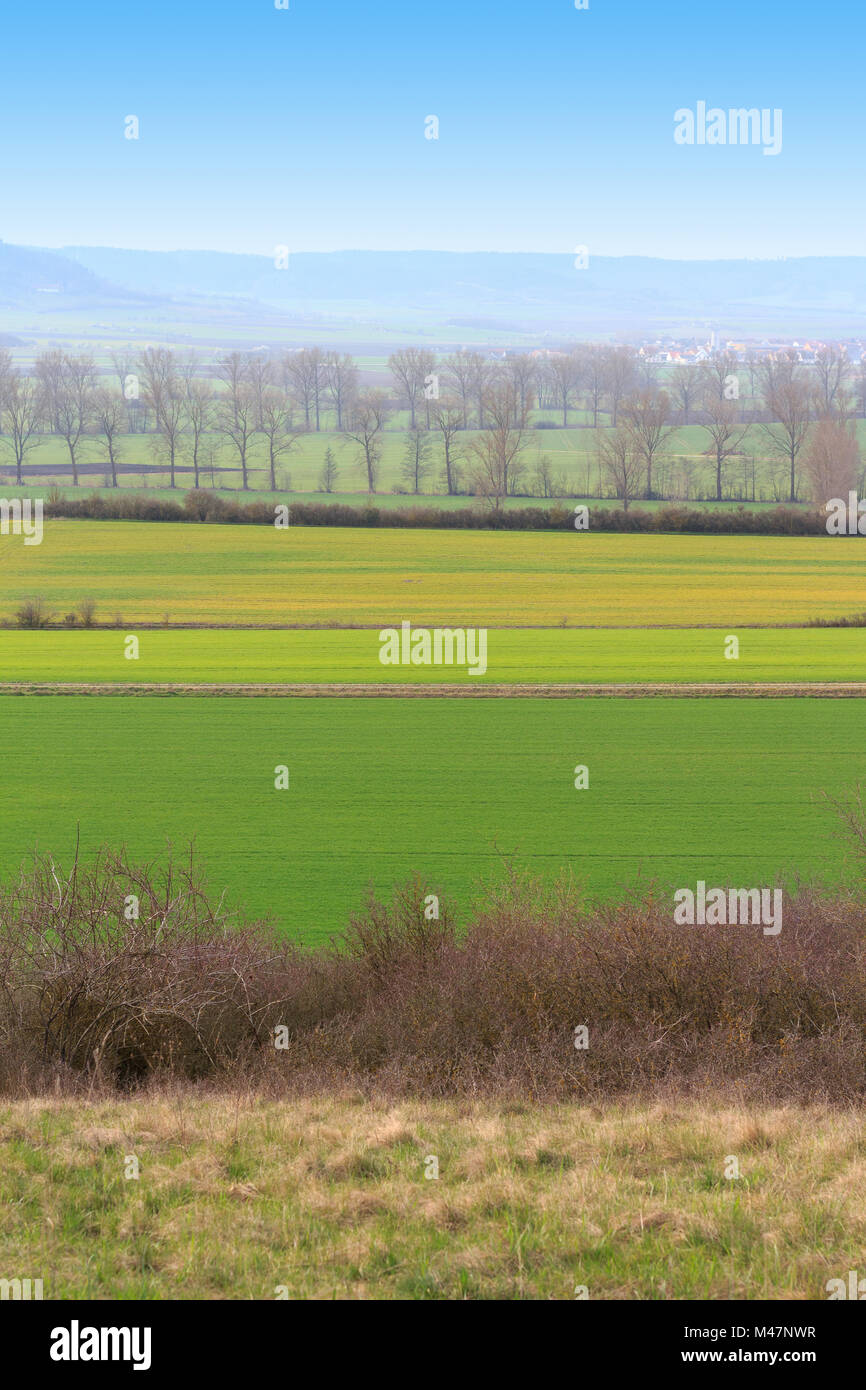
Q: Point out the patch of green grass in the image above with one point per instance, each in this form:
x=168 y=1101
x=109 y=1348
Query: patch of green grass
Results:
x=514 y=656
x=724 y=790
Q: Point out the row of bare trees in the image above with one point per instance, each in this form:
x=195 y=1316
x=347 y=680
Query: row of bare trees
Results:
x=67 y=397
x=806 y=420
x=262 y=404
x=594 y=374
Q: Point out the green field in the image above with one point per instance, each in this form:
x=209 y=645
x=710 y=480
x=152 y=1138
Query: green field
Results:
x=177 y=572
x=514 y=657
x=727 y=791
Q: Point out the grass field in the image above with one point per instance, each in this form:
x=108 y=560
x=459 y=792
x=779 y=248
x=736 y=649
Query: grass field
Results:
x=727 y=791
x=257 y=574
x=520 y=657
x=327 y=1198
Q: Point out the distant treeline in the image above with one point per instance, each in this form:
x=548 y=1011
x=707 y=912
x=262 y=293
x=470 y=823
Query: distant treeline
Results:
x=471 y=419
x=203 y=506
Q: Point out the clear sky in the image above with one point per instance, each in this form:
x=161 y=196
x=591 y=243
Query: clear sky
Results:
x=305 y=127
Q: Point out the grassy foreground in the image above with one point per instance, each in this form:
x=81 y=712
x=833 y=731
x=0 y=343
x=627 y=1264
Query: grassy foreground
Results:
x=348 y=657
x=150 y=571
x=327 y=1197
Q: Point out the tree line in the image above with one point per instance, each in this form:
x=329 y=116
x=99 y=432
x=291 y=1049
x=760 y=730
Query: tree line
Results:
x=471 y=417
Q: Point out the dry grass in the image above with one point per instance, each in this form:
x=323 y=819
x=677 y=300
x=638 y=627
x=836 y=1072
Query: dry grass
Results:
x=326 y=1197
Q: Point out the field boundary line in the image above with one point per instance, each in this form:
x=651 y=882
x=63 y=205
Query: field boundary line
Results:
x=824 y=690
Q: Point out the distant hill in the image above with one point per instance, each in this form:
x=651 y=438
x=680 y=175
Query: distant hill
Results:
x=520 y=292
x=31 y=277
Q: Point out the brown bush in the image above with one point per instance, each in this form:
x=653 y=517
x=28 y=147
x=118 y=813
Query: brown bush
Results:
x=34 y=613
x=201 y=505
x=414 y=1006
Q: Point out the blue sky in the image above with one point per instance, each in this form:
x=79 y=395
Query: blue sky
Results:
x=305 y=127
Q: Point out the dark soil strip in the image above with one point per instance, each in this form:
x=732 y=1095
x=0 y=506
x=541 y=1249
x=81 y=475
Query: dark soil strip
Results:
x=822 y=690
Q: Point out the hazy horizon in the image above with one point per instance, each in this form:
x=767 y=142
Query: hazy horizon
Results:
x=601 y=254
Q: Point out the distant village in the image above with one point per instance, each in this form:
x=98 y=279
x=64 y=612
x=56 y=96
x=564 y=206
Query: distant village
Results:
x=689 y=352
x=671 y=352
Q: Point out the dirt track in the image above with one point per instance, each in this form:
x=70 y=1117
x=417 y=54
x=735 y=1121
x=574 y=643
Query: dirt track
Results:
x=827 y=690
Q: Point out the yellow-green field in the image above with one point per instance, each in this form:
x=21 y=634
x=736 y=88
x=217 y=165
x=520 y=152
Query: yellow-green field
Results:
x=518 y=657
x=327 y=1197
x=152 y=572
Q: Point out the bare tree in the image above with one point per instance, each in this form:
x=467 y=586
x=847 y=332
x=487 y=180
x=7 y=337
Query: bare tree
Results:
x=787 y=400
x=275 y=423
x=49 y=370
x=21 y=413
x=305 y=374
x=260 y=375
x=720 y=376
x=833 y=370
x=593 y=377
x=123 y=362
x=497 y=450
x=646 y=414
x=621 y=462
x=618 y=373
x=726 y=435
x=73 y=403
x=686 y=386
x=367 y=420
x=109 y=411
x=237 y=418
x=484 y=373
x=523 y=372
x=163 y=389
x=645 y=374
x=459 y=371
x=410 y=368
x=198 y=401
x=233 y=368
x=832 y=460
x=544 y=476
x=563 y=370
x=416 y=457
x=341 y=375
x=448 y=416
x=7 y=372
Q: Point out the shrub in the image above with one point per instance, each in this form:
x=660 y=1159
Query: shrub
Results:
x=33 y=613
x=87 y=611
x=90 y=982
x=200 y=505
x=89 y=989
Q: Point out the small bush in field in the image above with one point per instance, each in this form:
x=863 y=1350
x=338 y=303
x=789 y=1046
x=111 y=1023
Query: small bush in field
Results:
x=87 y=612
x=33 y=613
